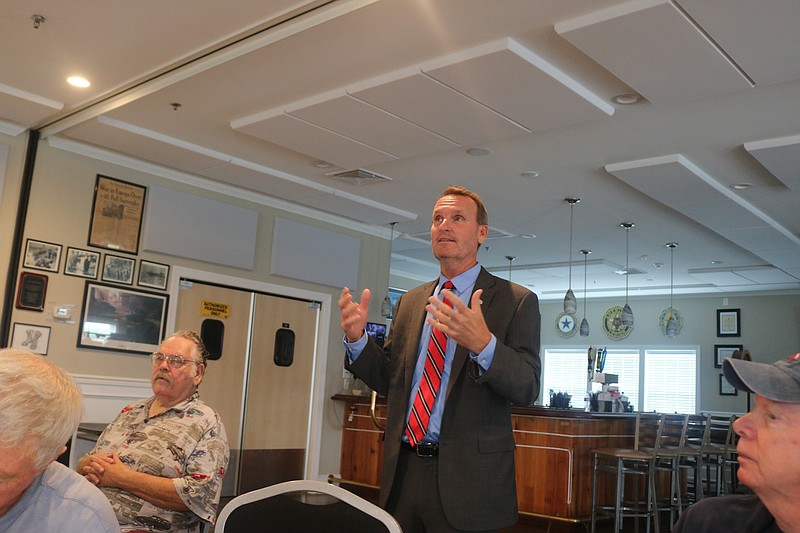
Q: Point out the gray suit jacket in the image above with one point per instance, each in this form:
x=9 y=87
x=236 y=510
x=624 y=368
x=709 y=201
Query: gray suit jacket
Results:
x=476 y=445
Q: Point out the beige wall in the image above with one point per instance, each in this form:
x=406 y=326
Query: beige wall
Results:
x=59 y=212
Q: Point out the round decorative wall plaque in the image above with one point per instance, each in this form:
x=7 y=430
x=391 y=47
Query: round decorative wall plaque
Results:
x=566 y=325
x=612 y=324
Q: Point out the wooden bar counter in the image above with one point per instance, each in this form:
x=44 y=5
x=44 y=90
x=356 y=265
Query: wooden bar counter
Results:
x=553 y=455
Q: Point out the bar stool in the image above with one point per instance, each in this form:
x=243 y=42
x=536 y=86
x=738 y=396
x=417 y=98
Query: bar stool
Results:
x=691 y=459
x=638 y=461
x=719 y=438
x=668 y=462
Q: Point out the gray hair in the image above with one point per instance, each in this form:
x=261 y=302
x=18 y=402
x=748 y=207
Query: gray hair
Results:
x=200 y=353
x=40 y=405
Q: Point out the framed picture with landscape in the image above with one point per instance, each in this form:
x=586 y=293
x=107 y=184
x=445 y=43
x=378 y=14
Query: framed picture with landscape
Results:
x=122 y=319
x=42 y=255
x=153 y=275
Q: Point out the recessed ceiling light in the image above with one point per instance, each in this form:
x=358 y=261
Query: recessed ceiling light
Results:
x=627 y=98
x=529 y=174
x=716 y=262
x=78 y=81
x=319 y=163
x=478 y=151
x=740 y=186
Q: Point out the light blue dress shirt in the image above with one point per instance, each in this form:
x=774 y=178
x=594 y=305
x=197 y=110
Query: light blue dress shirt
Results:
x=464 y=284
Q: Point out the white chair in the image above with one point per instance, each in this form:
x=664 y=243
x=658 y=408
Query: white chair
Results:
x=303 y=506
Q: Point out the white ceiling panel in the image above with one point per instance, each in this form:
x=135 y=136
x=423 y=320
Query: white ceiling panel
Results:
x=372 y=126
x=761 y=37
x=335 y=203
x=653 y=47
x=780 y=156
x=24 y=110
x=149 y=149
x=758 y=239
x=722 y=279
x=438 y=108
x=257 y=181
x=765 y=275
x=514 y=81
x=316 y=142
x=665 y=178
x=745 y=224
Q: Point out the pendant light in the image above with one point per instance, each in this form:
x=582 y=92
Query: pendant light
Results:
x=510 y=258
x=584 y=328
x=672 y=325
x=570 y=303
x=386 y=304
x=627 y=313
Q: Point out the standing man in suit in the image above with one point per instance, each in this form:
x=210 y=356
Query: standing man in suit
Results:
x=453 y=469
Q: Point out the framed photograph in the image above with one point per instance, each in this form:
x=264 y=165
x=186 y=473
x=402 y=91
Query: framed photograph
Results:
x=725 y=387
x=31 y=337
x=153 y=275
x=121 y=319
x=31 y=291
x=728 y=323
x=42 y=255
x=81 y=263
x=118 y=269
x=721 y=351
x=116 y=215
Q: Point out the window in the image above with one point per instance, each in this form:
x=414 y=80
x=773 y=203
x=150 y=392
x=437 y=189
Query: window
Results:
x=667 y=376
x=670 y=380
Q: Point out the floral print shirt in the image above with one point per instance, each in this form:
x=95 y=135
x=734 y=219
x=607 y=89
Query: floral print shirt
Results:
x=186 y=443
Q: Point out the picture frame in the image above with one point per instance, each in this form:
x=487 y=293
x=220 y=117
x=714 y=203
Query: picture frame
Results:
x=31 y=291
x=721 y=351
x=31 y=337
x=116 y=219
x=118 y=269
x=725 y=387
x=728 y=323
x=122 y=319
x=41 y=255
x=81 y=263
x=153 y=275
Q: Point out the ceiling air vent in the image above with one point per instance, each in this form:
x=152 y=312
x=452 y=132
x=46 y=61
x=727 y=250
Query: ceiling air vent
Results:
x=358 y=177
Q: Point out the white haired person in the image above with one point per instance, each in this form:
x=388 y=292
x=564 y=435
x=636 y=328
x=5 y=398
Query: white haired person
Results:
x=40 y=408
x=769 y=455
x=162 y=460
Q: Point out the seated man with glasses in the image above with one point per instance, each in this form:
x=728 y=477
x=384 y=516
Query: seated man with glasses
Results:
x=162 y=460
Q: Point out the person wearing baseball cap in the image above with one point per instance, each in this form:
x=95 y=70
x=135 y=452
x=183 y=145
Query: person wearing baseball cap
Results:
x=769 y=455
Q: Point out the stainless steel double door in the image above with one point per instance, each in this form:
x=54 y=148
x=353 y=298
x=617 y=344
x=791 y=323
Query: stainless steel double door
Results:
x=265 y=406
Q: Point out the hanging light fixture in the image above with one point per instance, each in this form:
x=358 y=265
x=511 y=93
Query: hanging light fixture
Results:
x=386 y=304
x=671 y=328
x=627 y=313
x=510 y=258
x=570 y=303
x=584 y=328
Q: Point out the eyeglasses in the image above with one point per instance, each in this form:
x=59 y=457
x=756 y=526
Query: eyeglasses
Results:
x=174 y=360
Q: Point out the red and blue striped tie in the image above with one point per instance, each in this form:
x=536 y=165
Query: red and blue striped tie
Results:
x=417 y=425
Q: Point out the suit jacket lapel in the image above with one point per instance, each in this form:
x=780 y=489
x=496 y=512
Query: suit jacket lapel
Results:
x=414 y=332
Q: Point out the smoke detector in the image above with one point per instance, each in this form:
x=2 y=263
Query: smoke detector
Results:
x=358 y=177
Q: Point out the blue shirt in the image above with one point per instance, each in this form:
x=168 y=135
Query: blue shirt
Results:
x=464 y=284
